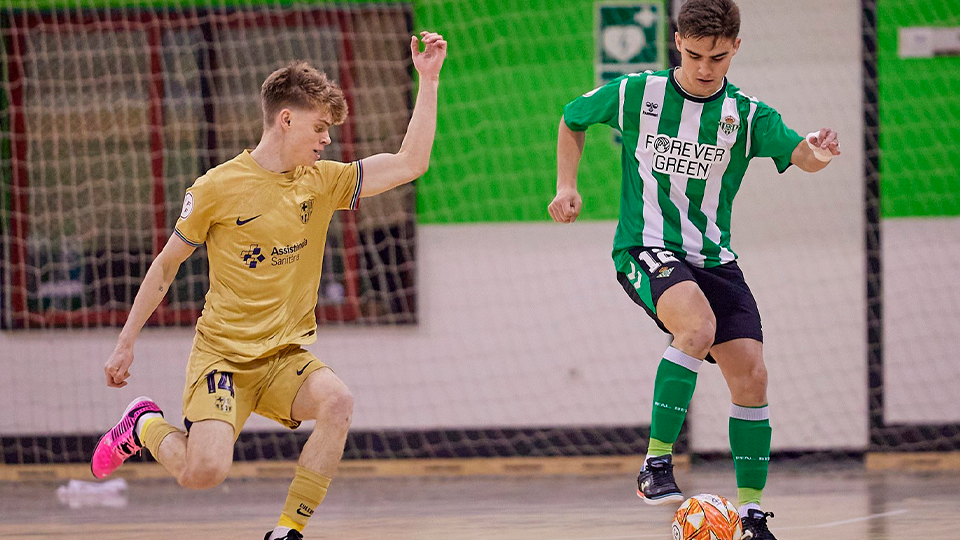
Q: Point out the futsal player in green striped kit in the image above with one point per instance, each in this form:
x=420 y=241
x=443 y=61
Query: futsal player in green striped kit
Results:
x=688 y=136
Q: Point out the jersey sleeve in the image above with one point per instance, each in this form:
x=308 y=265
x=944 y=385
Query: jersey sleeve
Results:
x=198 y=212
x=341 y=182
x=598 y=106
x=772 y=138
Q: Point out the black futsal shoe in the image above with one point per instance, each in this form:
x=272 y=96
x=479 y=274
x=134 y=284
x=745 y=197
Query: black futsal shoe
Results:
x=755 y=526
x=291 y=535
x=655 y=484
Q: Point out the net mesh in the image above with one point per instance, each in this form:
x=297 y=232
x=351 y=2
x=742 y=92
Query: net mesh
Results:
x=462 y=324
x=115 y=113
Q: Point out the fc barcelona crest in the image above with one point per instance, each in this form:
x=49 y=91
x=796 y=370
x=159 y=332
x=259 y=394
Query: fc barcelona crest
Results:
x=729 y=124
x=306 y=210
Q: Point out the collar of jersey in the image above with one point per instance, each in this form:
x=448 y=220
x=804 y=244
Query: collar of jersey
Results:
x=691 y=97
x=289 y=176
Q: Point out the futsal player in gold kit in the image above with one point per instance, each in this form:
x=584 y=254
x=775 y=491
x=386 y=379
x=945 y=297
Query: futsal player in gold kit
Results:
x=263 y=217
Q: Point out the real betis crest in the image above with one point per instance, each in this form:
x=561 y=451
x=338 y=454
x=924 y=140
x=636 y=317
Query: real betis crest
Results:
x=729 y=124
x=306 y=210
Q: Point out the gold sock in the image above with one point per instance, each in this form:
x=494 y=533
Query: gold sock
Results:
x=153 y=432
x=306 y=493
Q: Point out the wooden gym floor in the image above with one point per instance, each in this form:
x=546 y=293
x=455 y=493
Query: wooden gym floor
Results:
x=810 y=502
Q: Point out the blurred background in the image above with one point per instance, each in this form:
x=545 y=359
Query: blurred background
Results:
x=466 y=323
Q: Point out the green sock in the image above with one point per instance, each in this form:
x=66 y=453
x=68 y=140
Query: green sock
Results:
x=750 y=443
x=672 y=391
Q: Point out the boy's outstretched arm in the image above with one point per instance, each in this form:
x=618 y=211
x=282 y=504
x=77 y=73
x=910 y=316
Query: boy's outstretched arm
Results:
x=386 y=171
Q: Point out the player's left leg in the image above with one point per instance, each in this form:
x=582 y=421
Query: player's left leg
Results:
x=741 y=361
x=738 y=350
x=123 y=440
x=317 y=394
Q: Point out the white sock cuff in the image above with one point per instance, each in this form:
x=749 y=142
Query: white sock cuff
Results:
x=744 y=510
x=755 y=414
x=143 y=418
x=682 y=359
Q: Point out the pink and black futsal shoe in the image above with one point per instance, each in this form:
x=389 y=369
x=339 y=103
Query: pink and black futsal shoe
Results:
x=121 y=442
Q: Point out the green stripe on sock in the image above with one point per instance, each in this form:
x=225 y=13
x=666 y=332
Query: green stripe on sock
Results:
x=748 y=495
x=672 y=391
x=659 y=448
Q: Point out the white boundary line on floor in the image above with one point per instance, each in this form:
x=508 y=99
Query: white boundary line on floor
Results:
x=817 y=526
x=847 y=521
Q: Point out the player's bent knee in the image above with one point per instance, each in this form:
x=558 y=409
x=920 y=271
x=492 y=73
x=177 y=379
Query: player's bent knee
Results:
x=750 y=388
x=205 y=471
x=204 y=474
x=697 y=339
x=337 y=408
x=758 y=378
x=326 y=399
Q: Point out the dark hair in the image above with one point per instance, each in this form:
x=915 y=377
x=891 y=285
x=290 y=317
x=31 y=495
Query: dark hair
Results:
x=709 y=18
x=301 y=86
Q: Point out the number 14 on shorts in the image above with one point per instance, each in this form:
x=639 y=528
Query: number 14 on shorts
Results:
x=225 y=382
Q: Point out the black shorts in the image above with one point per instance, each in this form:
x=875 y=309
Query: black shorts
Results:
x=648 y=272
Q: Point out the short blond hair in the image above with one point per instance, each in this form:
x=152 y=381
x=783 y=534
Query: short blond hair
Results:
x=298 y=85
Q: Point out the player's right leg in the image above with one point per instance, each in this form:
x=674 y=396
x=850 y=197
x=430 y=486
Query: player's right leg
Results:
x=667 y=290
x=122 y=441
x=199 y=461
x=215 y=407
x=202 y=460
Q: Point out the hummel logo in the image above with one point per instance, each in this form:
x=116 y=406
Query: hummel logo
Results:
x=245 y=221
x=651 y=108
x=300 y=371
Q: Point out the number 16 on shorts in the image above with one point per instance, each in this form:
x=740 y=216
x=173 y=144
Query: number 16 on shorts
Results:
x=647 y=272
x=652 y=261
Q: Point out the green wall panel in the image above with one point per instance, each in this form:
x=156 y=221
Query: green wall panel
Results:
x=919 y=115
x=511 y=68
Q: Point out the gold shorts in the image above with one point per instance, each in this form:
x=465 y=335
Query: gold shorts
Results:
x=230 y=391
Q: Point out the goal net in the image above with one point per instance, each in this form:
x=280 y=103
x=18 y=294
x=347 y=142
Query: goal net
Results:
x=466 y=323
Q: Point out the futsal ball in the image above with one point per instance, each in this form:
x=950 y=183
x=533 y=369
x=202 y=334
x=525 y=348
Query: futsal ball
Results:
x=707 y=517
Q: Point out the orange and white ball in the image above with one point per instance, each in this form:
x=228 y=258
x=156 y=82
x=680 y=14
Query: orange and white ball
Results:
x=707 y=517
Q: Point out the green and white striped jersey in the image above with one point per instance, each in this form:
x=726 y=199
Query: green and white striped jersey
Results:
x=683 y=159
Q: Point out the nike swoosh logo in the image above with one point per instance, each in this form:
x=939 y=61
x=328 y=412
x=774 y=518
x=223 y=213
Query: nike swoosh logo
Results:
x=300 y=371
x=245 y=221
x=301 y=513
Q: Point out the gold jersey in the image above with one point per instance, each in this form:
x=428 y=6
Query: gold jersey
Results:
x=265 y=233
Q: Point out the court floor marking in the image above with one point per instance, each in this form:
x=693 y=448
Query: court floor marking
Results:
x=847 y=521
x=817 y=526
x=631 y=537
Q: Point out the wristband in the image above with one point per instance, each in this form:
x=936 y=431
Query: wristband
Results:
x=819 y=153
